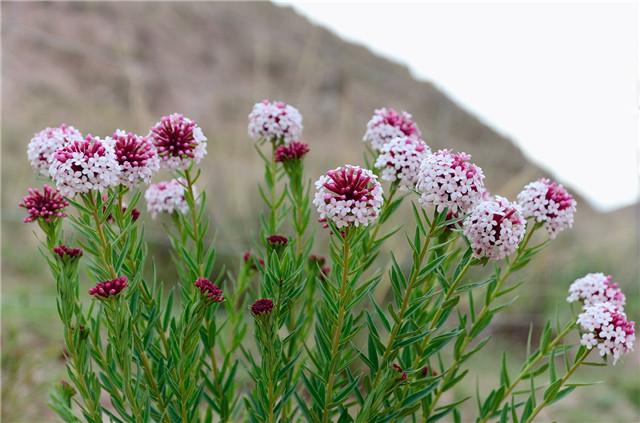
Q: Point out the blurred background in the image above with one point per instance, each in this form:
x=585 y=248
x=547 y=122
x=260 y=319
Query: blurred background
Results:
x=102 y=66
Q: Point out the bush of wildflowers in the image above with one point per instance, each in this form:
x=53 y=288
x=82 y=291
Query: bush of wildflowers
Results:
x=292 y=335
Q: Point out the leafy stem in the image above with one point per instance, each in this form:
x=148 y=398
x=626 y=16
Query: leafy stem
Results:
x=337 y=329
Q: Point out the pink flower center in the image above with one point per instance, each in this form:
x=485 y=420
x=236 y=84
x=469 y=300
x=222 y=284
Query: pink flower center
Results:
x=132 y=149
x=173 y=137
x=349 y=184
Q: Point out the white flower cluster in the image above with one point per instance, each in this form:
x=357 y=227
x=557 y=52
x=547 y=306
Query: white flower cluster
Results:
x=46 y=142
x=596 y=288
x=166 y=197
x=606 y=327
x=494 y=228
x=82 y=166
x=387 y=124
x=449 y=180
x=400 y=160
x=548 y=202
x=348 y=195
x=275 y=121
x=137 y=157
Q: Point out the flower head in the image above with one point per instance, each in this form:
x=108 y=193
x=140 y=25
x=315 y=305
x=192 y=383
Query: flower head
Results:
x=67 y=253
x=596 y=288
x=46 y=142
x=110 y=288
x=277 y=242
x=46 y=205
x=387 y=124
x=348 y=195
x=262 y=306
x=549 y=203
x=179 y=141
x=83 y=166
x=295 y=150
x=209 y=290
x=400 y=160
x=166 y=197
x=605 y=326
x=275 y=121
x=450 y=180
x=494 y=228
x=137 y=157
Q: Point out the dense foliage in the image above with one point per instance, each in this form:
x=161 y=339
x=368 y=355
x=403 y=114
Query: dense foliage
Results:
x=307 y=330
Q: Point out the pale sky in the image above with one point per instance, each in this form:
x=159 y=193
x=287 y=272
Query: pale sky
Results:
x=559 y=79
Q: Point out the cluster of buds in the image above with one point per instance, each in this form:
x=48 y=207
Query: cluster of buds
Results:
x=137 y=157
x=209 y=290
x=67 y=253
x=387 y=124
x=46 y=205
x=277 y=243
x=262 y=307
x=348 y=195
x=275 y=121
x=179 y=141
x=294 y=151
x=108 y=289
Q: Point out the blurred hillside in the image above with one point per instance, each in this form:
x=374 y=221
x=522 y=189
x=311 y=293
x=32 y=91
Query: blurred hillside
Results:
x=99 y=66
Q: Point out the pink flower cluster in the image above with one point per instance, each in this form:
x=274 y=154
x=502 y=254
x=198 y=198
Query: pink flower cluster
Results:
x=209 y=290
x=65 y=252
x=494 y=228
x=80 y=165
x=110 y=288
x=179 y=141
x=387 y=124
x=275 y=121
x=348 y=195
x=400 y=160
x=605 y=326
x=449 y=180
x=550 y=203
x=596 y=288
x=295 y=150
x=166 y=197
x=46 y=142
x=137 y=157
x=262 y=306
x=46 y=205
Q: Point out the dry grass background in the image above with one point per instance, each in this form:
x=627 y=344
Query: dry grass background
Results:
x=100 y=66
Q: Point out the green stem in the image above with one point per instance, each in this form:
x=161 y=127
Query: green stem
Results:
x=415 y=271
x=337 y=330
x=564 y=380
x=530 y=366
x=485 y=309
x=198 y=239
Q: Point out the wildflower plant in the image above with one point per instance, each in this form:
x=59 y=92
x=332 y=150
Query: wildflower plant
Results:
x=290 y=335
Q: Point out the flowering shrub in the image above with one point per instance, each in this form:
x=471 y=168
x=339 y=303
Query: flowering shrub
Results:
x=321 y=348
